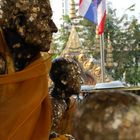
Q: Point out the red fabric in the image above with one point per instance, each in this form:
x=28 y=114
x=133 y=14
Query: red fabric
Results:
x=102 y=24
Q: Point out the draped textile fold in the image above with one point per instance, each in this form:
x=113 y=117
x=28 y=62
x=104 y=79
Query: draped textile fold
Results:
x=25 y=106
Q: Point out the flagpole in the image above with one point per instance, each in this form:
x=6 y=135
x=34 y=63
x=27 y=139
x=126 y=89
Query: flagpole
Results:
x=95 y=11
x=102 y=58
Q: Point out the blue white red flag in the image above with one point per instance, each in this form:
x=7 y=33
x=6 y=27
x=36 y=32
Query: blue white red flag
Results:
x=88 y=9
x=94 y=11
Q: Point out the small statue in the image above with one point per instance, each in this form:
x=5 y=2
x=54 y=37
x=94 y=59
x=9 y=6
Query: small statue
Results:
x=66 y=76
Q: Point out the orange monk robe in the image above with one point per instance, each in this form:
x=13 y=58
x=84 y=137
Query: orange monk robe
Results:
x=25 y=107
x=67 y=118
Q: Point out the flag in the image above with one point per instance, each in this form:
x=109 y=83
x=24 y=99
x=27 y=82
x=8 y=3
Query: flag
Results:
x=101 y=12
x=88 y=9
x=94 y=11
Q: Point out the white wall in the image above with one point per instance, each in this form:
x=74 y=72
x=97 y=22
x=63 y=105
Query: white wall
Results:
x=59 y=10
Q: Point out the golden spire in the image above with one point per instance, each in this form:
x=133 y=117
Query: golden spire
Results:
x=109 y=56
x=72 y=13
x=97 y=40
x=73 y=46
